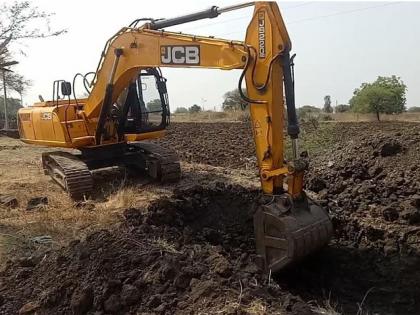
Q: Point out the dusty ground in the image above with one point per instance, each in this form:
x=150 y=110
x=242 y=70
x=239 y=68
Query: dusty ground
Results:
x=188 y=248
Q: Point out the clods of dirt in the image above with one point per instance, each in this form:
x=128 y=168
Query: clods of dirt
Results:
x=218 y=144
x=390 y=148
x=188 y=252
x=9 y=201
x=370 y=184
x=36 y=203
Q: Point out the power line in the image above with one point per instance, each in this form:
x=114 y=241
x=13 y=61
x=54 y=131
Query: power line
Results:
x=243 y=17
x=297 y=6
x=343 y=12
x=329 y=15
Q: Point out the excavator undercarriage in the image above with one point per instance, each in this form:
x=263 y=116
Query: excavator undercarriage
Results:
x=73 y=172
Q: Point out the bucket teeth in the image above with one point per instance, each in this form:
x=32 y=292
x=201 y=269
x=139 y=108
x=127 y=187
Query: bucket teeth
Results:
x=287 y=231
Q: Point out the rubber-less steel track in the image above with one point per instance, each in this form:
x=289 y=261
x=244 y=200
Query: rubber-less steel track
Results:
x=165 y=160
x=71 y=173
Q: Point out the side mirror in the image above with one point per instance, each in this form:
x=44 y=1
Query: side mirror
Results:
x=66 y=88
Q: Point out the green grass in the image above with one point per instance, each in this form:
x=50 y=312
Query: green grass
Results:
x=314 y=140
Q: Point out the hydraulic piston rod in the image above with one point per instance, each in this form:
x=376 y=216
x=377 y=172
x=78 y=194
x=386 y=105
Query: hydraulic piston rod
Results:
x=210 y=13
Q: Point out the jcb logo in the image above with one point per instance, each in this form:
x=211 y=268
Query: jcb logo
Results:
x=180 y=55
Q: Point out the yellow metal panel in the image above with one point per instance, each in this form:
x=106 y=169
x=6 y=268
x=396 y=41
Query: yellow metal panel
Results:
x=268 y=38
x=142 y=49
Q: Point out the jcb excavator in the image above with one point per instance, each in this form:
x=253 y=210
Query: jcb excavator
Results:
x=128 y=103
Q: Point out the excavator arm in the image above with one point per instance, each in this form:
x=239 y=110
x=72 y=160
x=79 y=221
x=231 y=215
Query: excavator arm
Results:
x=289 y=225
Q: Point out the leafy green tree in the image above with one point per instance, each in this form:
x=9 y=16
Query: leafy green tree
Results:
x=327 y=104
x=181 y=110
x=306 y=110
x=385 y=95
x=342 y=108
x=309 y=114
x=195 y=109
x=234 y=101
x=414 y=109
x=154 y=105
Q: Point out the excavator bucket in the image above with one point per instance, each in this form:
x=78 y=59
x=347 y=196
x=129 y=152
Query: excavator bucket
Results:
x=287 y=230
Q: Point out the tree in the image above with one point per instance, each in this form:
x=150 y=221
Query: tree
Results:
x=414 y=109
x=154 y=105
x=327 y=104
x=17 y=83
x=195 y=109
x=13 y=104
x=385 y=95
x=305 y=110
x=342 y=108
x=234 y=101
x=20 y=20
x=309 y=114
x=181 y=110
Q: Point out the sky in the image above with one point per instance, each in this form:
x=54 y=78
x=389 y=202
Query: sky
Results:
x=339 y=45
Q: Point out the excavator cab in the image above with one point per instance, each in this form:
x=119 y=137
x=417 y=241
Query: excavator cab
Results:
x=146 y=105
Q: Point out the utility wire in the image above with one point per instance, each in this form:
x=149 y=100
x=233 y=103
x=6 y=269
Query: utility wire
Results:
x=327 y=16
x=242 y=17
x=343 y=12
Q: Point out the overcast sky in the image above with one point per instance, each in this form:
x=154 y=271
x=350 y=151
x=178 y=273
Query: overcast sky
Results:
x=339 y=45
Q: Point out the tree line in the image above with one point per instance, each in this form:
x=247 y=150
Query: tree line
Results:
x=386 y=95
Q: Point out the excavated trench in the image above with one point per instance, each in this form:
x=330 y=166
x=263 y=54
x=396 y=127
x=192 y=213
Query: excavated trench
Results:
x=361 y=269
x=358 y=277
x=195 y=250
x=191 y=251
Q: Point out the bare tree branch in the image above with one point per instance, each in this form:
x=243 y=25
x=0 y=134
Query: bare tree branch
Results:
x=17 y=22
x=20 y=20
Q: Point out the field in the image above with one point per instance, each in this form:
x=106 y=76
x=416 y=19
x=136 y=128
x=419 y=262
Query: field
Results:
x=188 y=248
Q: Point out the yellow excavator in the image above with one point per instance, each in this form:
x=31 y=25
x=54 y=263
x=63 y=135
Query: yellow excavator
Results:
x=128 y=103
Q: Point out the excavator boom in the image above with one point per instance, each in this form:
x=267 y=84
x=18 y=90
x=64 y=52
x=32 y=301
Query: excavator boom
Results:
x=115 y=114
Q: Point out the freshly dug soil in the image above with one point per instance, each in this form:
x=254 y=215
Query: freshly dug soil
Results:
x=370 y=183
x=188 y=254
x=369 y=180
x=193 y=252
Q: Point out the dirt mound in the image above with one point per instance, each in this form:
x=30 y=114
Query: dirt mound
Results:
x=376 y=177
x=370 y=185
x=192 y=252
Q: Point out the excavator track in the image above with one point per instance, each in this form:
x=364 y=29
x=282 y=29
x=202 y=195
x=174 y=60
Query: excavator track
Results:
x=161 y=163
x=71 y=173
